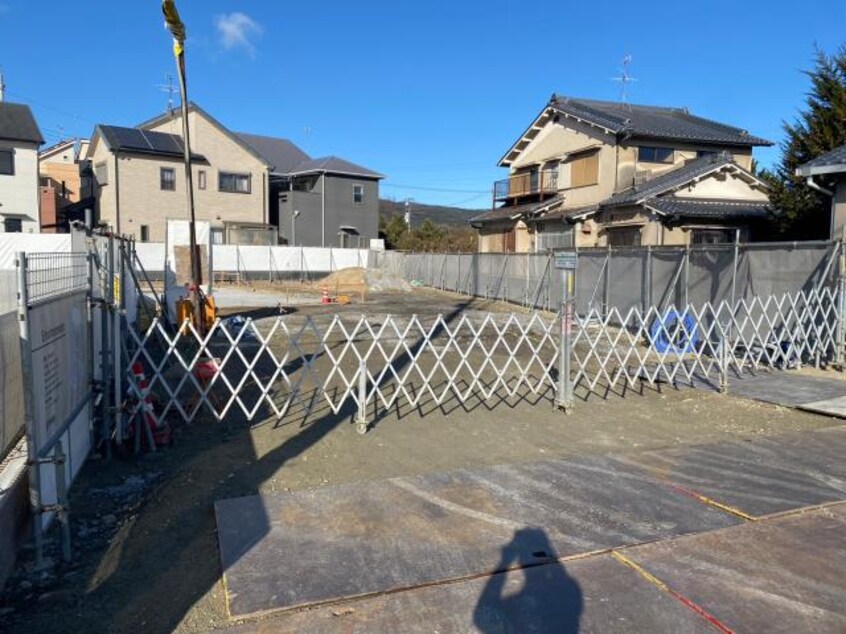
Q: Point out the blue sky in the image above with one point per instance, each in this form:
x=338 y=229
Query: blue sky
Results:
x=429 y=93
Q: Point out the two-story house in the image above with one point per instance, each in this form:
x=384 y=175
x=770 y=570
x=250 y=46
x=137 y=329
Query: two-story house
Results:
x=65 y=185
x=20 y=139
x=596 y=173
x=245 y=185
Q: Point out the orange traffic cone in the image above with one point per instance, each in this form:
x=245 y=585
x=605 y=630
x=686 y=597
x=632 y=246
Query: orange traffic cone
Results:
x=325 y=297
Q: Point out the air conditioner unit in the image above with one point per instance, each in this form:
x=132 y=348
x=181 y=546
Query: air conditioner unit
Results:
x=642 y=176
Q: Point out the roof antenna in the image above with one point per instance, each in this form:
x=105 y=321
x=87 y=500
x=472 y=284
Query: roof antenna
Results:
x=625 y=79
x=2 y=86
x=170 y=89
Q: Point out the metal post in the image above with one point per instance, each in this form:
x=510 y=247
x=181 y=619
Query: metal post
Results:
x=115 y=298
x=606 y=290
x=686 y=275
x=564 y=398
x=105 y=343
x=62 y=512
x=724 y=357
x=118 y=313
x=361 y=416
x=29 y=410
x=734 y=267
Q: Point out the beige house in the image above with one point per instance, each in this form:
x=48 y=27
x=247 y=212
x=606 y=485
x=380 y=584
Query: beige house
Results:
x=594 y=173
x=827 y=174
x=252 y=189
x=139 y=175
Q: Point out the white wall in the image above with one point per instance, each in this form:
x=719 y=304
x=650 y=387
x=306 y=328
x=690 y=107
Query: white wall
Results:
x=19 y=192
x=253 y=259
x=11 y=243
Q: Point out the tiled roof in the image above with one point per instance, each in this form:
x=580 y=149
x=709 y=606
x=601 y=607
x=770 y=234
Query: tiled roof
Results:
x=670 y=180
x=334 y=165
x=833 y=161
x=283 y=155
x=514 y=211
x=654 y=121
x=18 y=124
x=570 y=212
x=709 y=207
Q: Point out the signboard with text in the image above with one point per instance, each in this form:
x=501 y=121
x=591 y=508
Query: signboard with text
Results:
x=59 y=345
x=566 y=260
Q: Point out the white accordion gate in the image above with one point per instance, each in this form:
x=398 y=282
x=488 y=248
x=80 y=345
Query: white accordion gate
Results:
x=288 y=367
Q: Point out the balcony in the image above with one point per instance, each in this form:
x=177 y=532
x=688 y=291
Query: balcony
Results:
x=537 y=183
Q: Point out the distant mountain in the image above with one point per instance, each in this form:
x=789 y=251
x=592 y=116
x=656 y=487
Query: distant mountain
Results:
x=451 y=216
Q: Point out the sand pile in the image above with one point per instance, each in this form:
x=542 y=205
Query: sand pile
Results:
x=359 y=279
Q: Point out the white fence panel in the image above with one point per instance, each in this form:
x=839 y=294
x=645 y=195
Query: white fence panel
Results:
x=11 y=243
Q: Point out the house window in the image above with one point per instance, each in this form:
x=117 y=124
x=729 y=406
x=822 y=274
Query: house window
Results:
x=358 y=194
x=7 y=162
x=584 y=169
x=217 y=236
x=167 y=178
x=704 y=153
x=655 y=154
x=624 y=237
x=230 y=182
x=201 y=179
x=712 y=236
x=101 y=173
x=12 y=225
x=145 y=233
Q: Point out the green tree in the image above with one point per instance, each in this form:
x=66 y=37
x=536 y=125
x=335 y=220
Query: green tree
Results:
x=819 y=127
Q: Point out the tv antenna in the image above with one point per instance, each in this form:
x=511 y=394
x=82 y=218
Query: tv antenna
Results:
x=624 y=78
x=170 y=89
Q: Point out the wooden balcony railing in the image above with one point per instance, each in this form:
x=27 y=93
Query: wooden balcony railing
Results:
x=526 y=184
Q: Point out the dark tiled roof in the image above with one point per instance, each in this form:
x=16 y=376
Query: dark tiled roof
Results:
x=709 y=207
x=334 y=165
x=670 y=180
x=654 y=121
x=833 y=161
x=283 y=155
x=18 y=124
x=513 y=211
x=139 y=141
x=570 y=212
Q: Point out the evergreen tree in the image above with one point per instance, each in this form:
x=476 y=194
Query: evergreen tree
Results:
x=819 y=128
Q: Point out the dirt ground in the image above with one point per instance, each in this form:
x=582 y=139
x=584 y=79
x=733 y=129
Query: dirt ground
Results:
x=145 y=544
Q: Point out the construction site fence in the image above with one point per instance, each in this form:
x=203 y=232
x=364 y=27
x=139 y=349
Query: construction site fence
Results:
x=624 y=278
x=245 y=263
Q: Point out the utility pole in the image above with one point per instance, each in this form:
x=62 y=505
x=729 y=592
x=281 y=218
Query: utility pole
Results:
x=177 y=29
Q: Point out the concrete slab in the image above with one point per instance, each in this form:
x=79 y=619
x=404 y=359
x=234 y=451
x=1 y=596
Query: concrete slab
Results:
x=285 y=551
x=782 y=575
x=781 y=387
x=831 y=407
x=589 y=595
x=759 y=477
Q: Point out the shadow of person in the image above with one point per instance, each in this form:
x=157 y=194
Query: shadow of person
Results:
x=535 y=594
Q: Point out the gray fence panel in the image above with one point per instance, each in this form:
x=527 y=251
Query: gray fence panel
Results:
x=626 y=272
x=774 y=270
x=710 y=275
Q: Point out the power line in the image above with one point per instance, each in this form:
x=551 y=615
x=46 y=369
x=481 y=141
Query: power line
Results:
x=438 y=189
x=467 y=200
x=46 y=107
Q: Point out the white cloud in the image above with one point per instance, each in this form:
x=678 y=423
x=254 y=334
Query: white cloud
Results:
x=238 y=30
